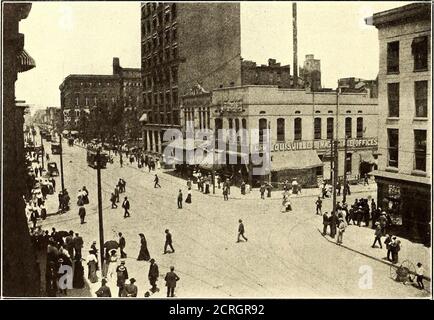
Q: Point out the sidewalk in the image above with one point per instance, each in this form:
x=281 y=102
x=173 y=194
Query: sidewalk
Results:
x=360 y=239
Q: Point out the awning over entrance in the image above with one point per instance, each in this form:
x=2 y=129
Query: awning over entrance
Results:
x=367 y=157
x=25 y=61
x=212 y=161
x=295 y=160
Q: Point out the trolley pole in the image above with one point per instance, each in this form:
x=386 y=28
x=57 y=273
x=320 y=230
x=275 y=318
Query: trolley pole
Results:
x=100 y=218
x=345 y=171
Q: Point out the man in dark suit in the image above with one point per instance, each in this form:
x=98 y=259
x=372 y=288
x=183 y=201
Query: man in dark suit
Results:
x=78 y=245
x=122 y=245
x=168 y=242
x=156 y=182
x=241 y=231
x=82 y=213
x=126 y=206
x=153 y=275
x=180 y=199
x=171 y=279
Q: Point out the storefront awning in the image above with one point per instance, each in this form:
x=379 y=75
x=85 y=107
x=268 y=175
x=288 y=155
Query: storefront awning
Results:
x=25 y=61
x=367 y=157
x=295 y=160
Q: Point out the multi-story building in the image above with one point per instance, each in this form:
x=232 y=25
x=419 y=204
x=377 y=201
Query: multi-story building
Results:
x=310 y=73
x=271 y=74
x=20 y=271
x=183 y=45
x=302 y=124
x=119 y=92
x=405 y=113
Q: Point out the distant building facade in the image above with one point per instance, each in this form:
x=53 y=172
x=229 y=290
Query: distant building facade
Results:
x=310 y=73
x=405 y=115
x=271 y=74
x=119 y=91
x=352 y=84
x=184 y=44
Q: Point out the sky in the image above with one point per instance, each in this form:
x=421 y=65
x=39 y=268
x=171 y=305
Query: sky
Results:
x=83 y=37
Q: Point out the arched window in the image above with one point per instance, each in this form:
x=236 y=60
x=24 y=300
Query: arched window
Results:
x=360 y=127
x=218 y=124
x=330 y=128
x=281 y=129
x=297 y=129
x=317 y=129
x=348 y=127
x=237 y=124
x=262 y=128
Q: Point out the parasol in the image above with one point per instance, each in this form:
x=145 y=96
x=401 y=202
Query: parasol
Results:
x=111 y=245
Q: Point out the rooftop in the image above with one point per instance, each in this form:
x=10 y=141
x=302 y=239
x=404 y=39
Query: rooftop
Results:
x=400 y=15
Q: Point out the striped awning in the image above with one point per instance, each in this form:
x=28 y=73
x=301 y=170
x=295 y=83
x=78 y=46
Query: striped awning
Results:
x=25 y=61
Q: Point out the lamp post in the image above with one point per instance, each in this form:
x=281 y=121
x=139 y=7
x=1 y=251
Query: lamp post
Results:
x=100 y=217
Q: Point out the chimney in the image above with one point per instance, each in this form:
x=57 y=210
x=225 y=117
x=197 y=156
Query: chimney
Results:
x=116 y=66
x=294 y=43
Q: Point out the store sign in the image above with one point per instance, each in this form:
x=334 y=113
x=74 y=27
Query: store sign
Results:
x=319 y=145
x=233 y=106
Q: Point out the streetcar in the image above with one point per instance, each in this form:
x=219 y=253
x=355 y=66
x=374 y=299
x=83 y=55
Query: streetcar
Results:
x=91 y=158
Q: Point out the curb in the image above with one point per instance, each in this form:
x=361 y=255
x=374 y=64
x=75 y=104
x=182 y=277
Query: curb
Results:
x=390 y=264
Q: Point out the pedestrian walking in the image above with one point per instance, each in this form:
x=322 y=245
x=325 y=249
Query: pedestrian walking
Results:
x=113 y=201
x=78 y=245
x=168 y=242
x=126 y=206
x=188 y=199
x=122 y=276
x=92 y=263
x=112 y=260
x=180 y=199
x=333 y=224
x=153 y=275
x=338 y=187
x=171 y=278
x=419 y=276
x=378 y=235
x=144 y=253
x=225 y=193
x=117 y=193
x=366 y=180
x=130 y=290
x=241 y=231
x=85 y=195
x=104 y=290
x=341 y=229
x=318 y=204
x=69 y=244
x=156 y=182
x=268 y=187
x=82 y=213
x=325 y=222
x=262 y=191
x=395 y=248
x=388 y=241
x=122 y=245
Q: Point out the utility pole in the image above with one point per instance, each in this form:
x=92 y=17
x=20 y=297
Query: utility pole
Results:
x=100 y=218
x=294 y=44
x=42 y=148
x=345 y=170
x=335 y=172
x=269 y=150
x=61 y=152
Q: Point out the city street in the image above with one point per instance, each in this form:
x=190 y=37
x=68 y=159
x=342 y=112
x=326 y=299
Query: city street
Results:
x=285 y=256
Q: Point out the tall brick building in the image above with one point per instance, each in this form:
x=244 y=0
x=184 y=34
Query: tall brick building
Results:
x=405 y=115
x=119 y=91
x=272 y=74
x=183 y=45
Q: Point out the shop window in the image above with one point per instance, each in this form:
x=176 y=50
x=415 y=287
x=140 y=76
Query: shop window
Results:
x=330 y=128
x=348 y=127
x=419 y=49
x=393 y=57
x=420 y=150
x=392 y=148
x=281 y=129
x=360 y=127
x=421 y=98
x=317 y=128
x=320 y=169
x=393 y=99
x=297 y=129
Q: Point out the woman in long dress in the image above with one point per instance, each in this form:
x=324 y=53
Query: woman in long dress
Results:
x=78 y=281
x=112 y=264
x=144 y=253
x=92 y=262
x=188 y=199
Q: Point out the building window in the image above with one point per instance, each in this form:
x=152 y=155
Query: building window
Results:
x=421 y=98
x=173 y=9
x=218 y=124
x=230 y=123
x=348 y=127
x=281 y=129
x=419 y=48
x=262 y=128
x=317 y=128
x=297 y=129
x=420 y=150
x=360 y=127
x=393 y=99
x=76 y=101
x=348 y=163
x=330 y=128
x=393 y=57
x=237 y=124
x=393 y=142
